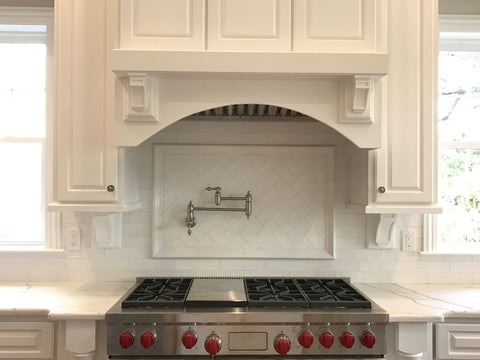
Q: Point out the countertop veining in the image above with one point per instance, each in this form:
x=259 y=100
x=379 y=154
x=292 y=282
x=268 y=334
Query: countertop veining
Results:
x=91 y=300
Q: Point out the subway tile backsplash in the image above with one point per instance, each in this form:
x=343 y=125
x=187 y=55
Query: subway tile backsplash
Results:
x=352 y=259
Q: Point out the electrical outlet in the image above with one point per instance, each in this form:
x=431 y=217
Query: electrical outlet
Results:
x=409 y=241
x=73 y=239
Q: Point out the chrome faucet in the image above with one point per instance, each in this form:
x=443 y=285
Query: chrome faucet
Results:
x=190 y=221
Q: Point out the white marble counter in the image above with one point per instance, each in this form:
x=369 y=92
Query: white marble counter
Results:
x=403 y=302
x=425 y=302
x=61 y=301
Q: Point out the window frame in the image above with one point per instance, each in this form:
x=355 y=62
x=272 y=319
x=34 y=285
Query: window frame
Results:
x=38 y=16
x=455 y=34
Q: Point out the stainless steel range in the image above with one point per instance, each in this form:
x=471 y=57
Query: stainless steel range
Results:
x=248 y=317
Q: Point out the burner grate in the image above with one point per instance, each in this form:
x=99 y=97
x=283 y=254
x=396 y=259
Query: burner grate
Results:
x=274 y=292
x=158 y=293
x=331 y=293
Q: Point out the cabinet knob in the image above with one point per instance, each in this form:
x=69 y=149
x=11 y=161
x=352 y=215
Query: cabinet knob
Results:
x=381 y=189
x=110 y=188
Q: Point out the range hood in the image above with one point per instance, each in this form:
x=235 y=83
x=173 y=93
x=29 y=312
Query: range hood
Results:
x=318 y=58
x=344 y=91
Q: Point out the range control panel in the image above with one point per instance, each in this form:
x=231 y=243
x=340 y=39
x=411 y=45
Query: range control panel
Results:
x=238 y=339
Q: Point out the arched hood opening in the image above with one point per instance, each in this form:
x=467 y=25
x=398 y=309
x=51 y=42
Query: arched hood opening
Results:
x=154 y=103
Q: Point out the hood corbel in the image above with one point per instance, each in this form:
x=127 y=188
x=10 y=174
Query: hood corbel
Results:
x=357 y=99
x=141 y=103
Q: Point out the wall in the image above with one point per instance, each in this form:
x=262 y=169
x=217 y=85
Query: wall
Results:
x=134 y=258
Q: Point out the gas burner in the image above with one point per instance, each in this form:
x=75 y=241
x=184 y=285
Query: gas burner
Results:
x=274 y=292
x=324 y=293
x=159 y=292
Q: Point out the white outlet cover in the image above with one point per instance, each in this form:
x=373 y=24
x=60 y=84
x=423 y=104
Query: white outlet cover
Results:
x=73 y=240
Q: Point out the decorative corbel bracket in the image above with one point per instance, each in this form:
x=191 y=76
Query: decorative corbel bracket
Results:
x=356 y=99
x=141 y=103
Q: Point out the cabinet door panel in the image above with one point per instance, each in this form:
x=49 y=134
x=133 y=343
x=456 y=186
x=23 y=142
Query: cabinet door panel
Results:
x=256 y=25
x=26 y=340
x=163 y=24
x=406 y=165
x=86 y=160
x=337 y=25
x=458 y=341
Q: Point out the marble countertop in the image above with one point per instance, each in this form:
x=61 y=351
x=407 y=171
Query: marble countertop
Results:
x=61 y=301
x=91 y=300
x=425 y=302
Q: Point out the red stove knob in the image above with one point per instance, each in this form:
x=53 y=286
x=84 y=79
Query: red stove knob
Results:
x=326 y=339
x=147 y=339
x=126 y=340
x=281 y=344
x=213 y=344
x=347 y=339
x=305 y=339
x=189 y=339
x=368 y=339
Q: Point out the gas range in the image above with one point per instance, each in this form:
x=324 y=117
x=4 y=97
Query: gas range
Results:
x=247 y=317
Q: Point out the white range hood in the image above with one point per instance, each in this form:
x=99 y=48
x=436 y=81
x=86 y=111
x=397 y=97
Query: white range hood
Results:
x=178 y=58
x=161 y=87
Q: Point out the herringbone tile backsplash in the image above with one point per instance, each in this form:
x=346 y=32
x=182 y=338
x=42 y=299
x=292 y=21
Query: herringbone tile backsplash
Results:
x=293 y=201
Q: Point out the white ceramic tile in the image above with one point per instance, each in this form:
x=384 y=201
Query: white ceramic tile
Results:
x=139 y=217
x=243 y=265
x=304 y=265
x=438 y=277
x=370 y=266
x=462 y=266
x=404 y=277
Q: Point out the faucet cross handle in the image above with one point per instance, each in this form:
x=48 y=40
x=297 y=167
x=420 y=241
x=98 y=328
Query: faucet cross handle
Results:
x=210 y=188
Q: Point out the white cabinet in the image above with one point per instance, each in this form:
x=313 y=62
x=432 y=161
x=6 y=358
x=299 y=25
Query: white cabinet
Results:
x=339 y=25
x=402 y=177
x=457 y=341
x=26 y=340
x=329 y=26
x=163 y=24
x=87 y=164
x=253 y=25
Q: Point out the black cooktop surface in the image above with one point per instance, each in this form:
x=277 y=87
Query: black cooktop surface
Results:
x=259 y=292
x=159 y=292
x=273 y=292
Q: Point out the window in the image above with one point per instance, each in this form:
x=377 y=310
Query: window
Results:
x=457 y=230
x=25 y=51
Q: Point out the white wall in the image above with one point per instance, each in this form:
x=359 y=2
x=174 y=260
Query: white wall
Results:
x=134 y=258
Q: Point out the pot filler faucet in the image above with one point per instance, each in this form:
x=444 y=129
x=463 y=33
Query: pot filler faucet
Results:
x=191 y=221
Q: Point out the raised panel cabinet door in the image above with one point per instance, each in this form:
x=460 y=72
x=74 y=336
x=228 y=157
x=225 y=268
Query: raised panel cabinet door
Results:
x=458 y=341
x=249 y=25
x=26 y=340
x=86 y=160
x=339 y=25
x=406 y=165
x=162 y=24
